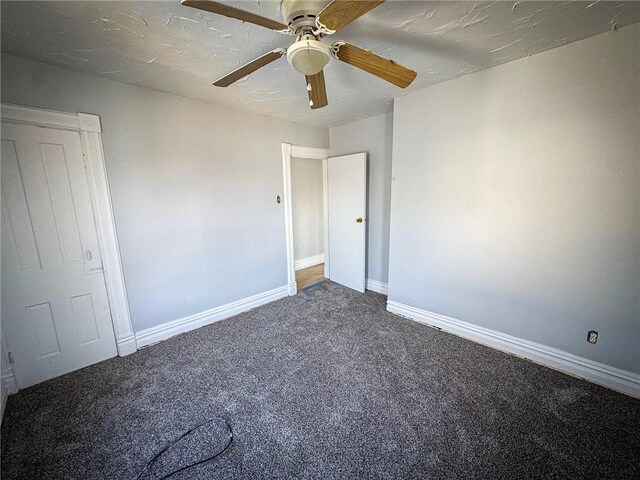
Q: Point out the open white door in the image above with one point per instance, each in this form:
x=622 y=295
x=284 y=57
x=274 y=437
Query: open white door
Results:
x=347 y=186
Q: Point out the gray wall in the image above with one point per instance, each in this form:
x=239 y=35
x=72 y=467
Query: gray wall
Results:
x=193 y=186
x=372 y=135
x=516 y=199
x=308 y=207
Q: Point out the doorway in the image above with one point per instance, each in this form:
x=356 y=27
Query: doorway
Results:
x=344 y=192
x=307 y=203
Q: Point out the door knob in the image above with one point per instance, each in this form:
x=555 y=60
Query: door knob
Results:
x=359 y=219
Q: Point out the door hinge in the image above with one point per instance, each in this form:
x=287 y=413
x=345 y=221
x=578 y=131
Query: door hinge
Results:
x=10 y=355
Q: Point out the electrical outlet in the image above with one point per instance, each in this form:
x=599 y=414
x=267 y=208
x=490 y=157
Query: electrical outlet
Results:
x=592 y=336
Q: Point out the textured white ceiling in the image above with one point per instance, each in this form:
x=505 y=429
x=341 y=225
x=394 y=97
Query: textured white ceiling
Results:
x=168 y=47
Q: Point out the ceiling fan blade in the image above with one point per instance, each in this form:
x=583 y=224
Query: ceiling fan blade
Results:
x=232 y=12
x=374 y=64
x=317 y=90
x=250 y=67
x=340 y=13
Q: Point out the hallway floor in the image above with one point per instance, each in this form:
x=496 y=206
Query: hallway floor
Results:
x=306 y=277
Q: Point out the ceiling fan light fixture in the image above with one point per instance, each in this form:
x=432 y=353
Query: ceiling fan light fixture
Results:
x=308 y=56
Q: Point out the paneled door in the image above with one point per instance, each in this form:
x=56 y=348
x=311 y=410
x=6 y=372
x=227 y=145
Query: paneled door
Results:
x=347 y=185
x=55 y=312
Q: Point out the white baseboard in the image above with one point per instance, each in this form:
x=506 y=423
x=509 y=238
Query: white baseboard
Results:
x=126 y=345
x=293 y=288
x=614 y=378
x=186 y=324
x=9 y=380
x=376 y=286
x=309 y=261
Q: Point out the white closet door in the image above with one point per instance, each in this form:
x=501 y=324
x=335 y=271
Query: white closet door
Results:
x=55 y=313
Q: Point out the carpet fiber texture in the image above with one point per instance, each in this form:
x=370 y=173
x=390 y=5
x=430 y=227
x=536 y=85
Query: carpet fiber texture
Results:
x=326 y=384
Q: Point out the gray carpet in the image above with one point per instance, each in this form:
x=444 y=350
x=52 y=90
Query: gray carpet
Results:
x=325 y=384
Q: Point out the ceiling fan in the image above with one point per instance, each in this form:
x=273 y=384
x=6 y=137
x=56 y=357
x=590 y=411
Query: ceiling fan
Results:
x=309 y=24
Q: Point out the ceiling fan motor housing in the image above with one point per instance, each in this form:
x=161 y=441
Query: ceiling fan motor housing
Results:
x=301 y=13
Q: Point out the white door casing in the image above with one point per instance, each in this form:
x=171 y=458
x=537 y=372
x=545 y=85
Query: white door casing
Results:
x=347 y=198
x=53 y=278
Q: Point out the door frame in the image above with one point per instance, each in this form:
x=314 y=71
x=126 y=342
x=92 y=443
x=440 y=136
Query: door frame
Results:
x=90 y=130
x=311 y=153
